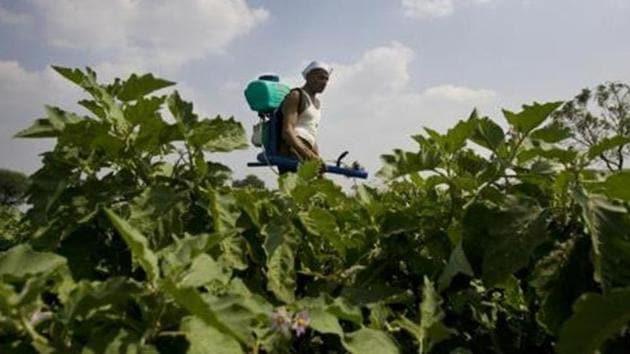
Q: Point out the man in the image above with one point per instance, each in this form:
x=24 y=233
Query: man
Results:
x=301 y=110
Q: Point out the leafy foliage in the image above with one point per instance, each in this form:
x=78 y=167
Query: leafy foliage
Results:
x=599 y=119
x=12 y=187
x=134 y=241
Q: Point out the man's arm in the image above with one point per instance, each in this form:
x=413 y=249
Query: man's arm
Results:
x=290 y=113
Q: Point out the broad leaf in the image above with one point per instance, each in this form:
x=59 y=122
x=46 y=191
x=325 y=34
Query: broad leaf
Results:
x=607 y=144
x=205 y=339
x=138 y=86
x=218 y=135
x=488 y=134
x=280 y=248
x=552 y=133
x=324 y=322
x=596 y=318
x=138 y=244
x=531 y=116
x=558 y=279
x=371 y=341
x=457 y=264
x=618 y=186
x=21 y=262
x=608 y=227
x=501 y=242
x=200 y=306
x=322 y=223
x=42 y=128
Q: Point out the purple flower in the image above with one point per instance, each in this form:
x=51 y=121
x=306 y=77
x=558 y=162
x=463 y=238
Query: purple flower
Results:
x=301 y=320
x=281 y=321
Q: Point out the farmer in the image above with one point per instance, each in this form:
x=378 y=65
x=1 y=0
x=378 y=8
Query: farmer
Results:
x=301 y=110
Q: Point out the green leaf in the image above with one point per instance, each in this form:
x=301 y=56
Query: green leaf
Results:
x=596 y=318
x=344 y=310
x=501 y=241
x=280 y=249
x=322 y=223
x=206 y=339
x=74 y=75
x=371 y=341
x=202 y=271
x=218 y=135
x=456 y=137
x=87 y=297
x=457 y=264
x=564 y=156
x=488 y=134
x=281 y=273
x=182 y=111
x=22 y=262
x=191 y=300
x=559 y=279
x=111 y=339
x=513 y=294
x=222 y=210
x=324 y=322
x=618 y=186
x=608 y=227
x=531 y=116
x=552 y=133
x=402 y=163
x=430 y=330
x=42 y=128
x=138 y=244
x=136 y=86
x=607 y=144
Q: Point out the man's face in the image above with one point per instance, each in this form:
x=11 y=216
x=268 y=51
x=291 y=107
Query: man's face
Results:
x=317 y=79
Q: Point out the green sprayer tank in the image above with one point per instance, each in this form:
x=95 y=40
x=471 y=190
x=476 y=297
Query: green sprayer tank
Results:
x=266 y=94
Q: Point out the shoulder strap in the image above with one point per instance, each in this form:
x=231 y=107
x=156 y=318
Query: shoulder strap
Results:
x=303 y=104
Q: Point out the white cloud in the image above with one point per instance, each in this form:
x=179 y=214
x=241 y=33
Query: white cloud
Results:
x=427 y=8
x=12 y=18
x=148 y=33
x=422 y=9
x=370 y=106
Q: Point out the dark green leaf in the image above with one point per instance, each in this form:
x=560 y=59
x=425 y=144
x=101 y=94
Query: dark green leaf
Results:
x=40 y=129
x=531 y=116
x=488 y=134
x=552 y=133
x=138 y=244
x=457 y=263
x=596 y=318
x=559 y=278
x=608 y=227
x=136 y=86
x=500 y=242
x=74 y=75
x=607 y=144
x=618 y=186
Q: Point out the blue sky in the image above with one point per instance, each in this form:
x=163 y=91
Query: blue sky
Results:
x=399 y=65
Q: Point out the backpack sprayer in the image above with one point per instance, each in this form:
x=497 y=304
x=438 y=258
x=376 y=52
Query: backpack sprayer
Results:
x=265 y=96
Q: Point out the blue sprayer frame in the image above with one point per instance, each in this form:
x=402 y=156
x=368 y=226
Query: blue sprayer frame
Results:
x=271 y=157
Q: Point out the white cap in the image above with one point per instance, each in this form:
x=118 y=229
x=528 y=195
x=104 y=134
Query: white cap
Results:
x=316 y=65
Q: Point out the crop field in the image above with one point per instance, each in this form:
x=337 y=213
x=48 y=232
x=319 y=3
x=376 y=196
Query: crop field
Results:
x=482 y=240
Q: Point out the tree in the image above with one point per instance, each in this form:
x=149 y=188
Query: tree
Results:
x=249 y=181
x=599 y=114
x=12 y=187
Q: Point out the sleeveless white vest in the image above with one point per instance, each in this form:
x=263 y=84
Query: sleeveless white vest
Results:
x=308 y=121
